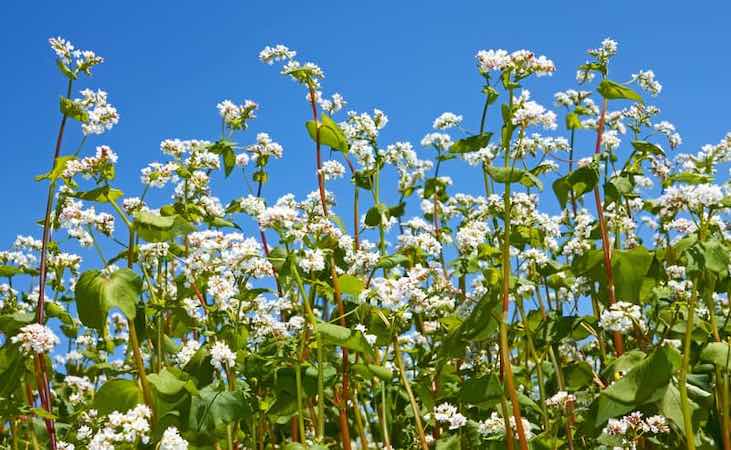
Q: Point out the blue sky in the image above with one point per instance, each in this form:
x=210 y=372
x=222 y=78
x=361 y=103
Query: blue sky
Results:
x=168 y=64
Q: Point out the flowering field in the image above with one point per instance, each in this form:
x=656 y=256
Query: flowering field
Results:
x=408 y=315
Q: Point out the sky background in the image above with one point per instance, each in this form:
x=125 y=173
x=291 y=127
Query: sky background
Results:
x=169 y=63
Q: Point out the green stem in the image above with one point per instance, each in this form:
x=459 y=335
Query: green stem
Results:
x=410 y=394
x=683 y=378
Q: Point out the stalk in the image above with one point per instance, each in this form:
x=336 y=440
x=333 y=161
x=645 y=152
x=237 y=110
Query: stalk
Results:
x=345 y=387
x=683 y=377
x=133 y=340
x=44 y=389
x=506 y=367
x=410 y=394
x=618 y=340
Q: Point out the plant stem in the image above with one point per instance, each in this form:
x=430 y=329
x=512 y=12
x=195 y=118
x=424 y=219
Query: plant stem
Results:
x=505 y=364
x=683 y=377
x=410 y=394
x=618 y=340
x=345 y=387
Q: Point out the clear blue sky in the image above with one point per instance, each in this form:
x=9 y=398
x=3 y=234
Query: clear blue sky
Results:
x=169 y=63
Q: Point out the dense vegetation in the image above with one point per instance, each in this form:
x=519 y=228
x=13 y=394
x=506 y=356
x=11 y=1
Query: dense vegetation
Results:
x=483 y=322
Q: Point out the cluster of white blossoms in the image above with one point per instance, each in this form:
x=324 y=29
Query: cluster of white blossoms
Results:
x=132 y=427
x=668 y=129
x=562 y=400
x=101 y=115
x=694 y=197
x=265 y=147
x=646 y=80
x=35 y=339
x=235 y=116
x=531 y=113
x=81 y=388
x=186 y=352
x=622 y=317
x=632 y=426
x=277 y=53
x=447 y=120
x=79 y=221
x=312 y=260
x=440 y=141
x=66 y=54
x=521 y=62
x=221 y=356
x=495 y=425
x=332 y=169
x=172 y=440
x=335 y=103
x=470 y=235
x=91 y=166
x=447 y=413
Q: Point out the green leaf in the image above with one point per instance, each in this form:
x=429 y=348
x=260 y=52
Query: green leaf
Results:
x=645 y=147
x=374 y=216
x=104 y=194
x=59 y=166
x=471 y=144
x=580 y=181
x=215 y=407
x=391 y=261
x=351 y=285
x=647 y=380
x=155 y=228
x=524 y=177
x=343 y=337
x=96 y=293
x=573 y=122
x=612 y=90
x=117 y=395
x=718 y=354
x=330 y=133
x=449 y=443
x=73 y=109
x=166 y=382
x=630 y=268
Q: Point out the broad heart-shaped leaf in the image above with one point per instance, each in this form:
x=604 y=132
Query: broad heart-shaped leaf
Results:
x=104 y=194
x=330 y=133
x=225 y=148
x=647 y=382
x=167 y=382
x=612 y=90
x=73 y=109
x=12 y=368
x=630 y=268
x=351 y=285
x=524 y=177
x=96 y=293
x=718 y=354
x=580 y=181
x=117 y=395
x=344 y=337
x=449 y=443
x=215 y=407
x=471 y=144
x=645 y=147
x=155 y=228
x=58 y=168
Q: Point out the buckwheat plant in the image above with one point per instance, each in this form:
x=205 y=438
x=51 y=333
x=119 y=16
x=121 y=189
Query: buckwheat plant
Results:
x=415 y=311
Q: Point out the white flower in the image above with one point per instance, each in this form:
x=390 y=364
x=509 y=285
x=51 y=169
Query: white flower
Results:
x=171 y=440
x=236 y=117
x=312 y=261
x=562 y=400
x=447 y=413
x=182 y=358
x=35 y=338
x=622 y=317
x=277 y=53
x=447 y=120
x=646 y=80
x=222 y=356
x=332 y=169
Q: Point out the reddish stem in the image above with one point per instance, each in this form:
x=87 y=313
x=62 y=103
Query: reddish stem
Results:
x=618 y=340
